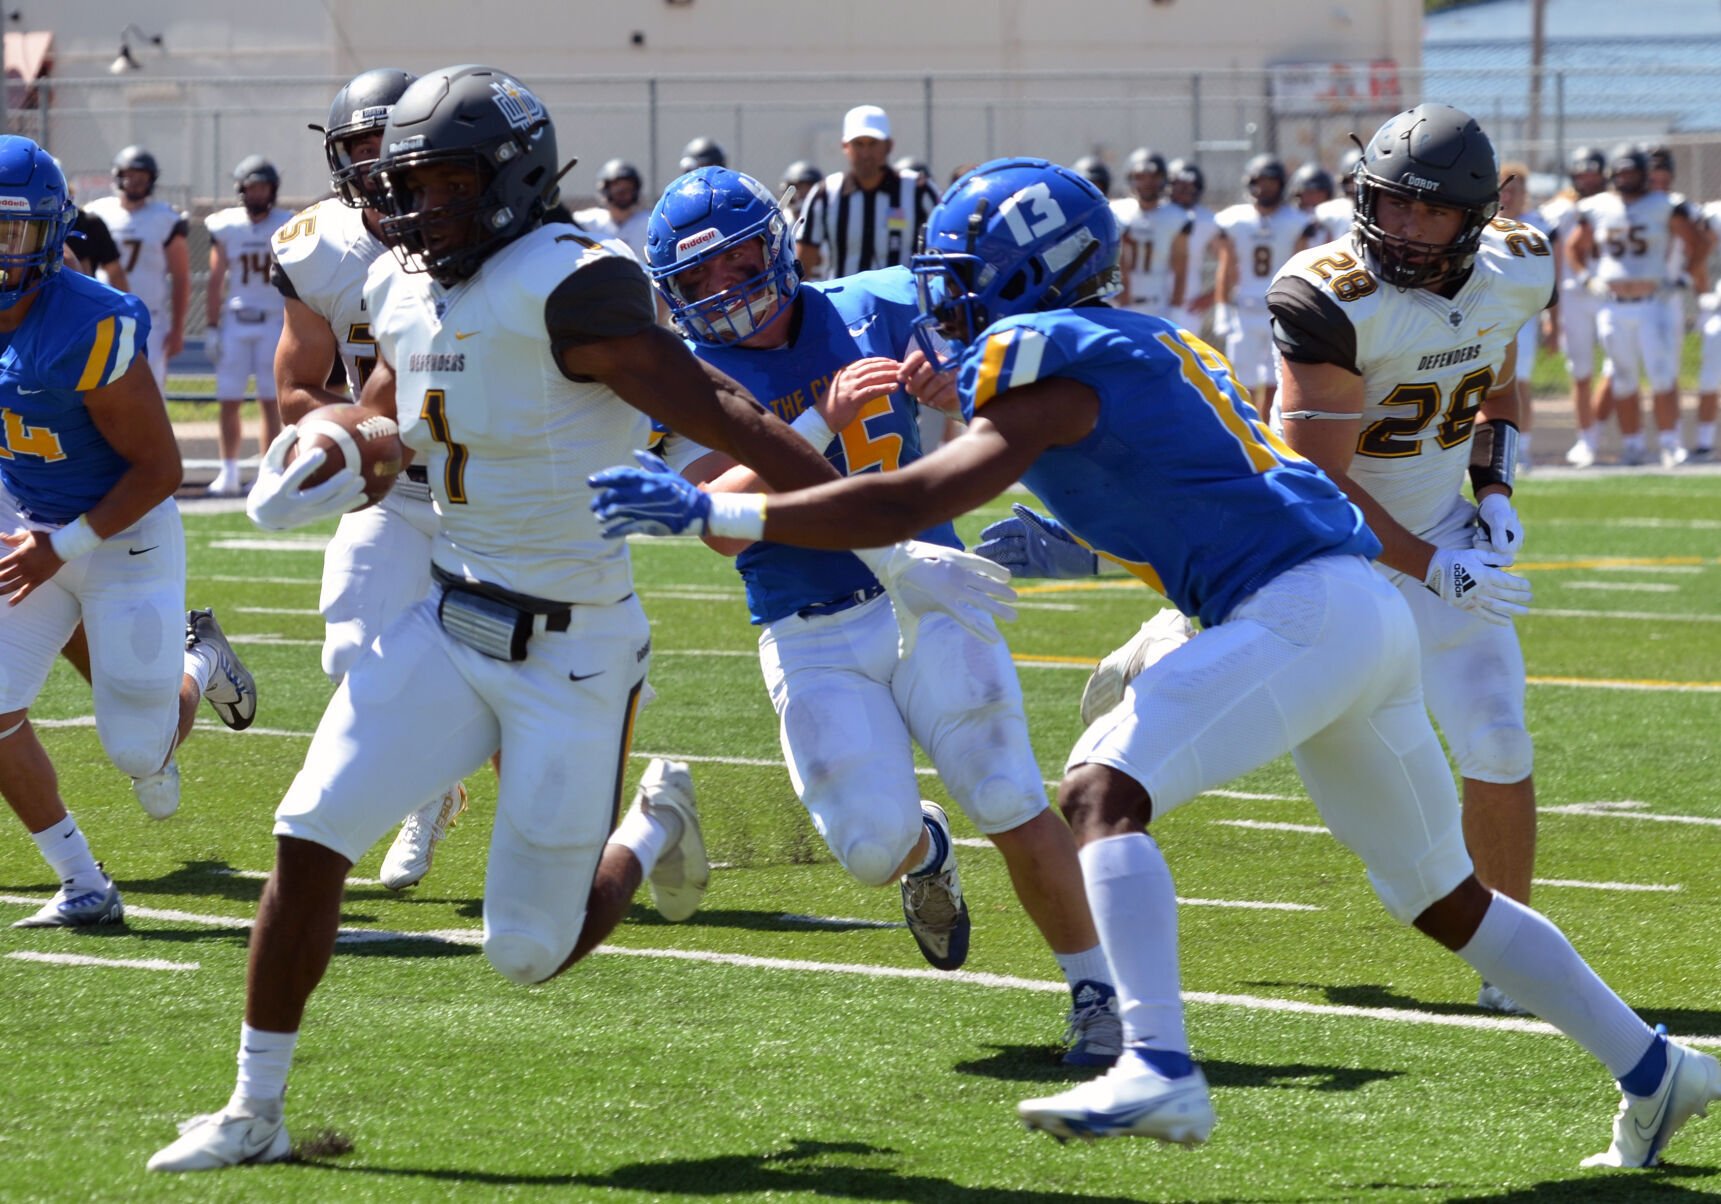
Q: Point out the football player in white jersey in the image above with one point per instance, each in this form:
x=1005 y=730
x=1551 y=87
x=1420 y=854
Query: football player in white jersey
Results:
x=624 y=213
x=244 y=311
x=1575 y=315
x=378 y=562
x=1622 y=239
x=1515 y=205
x=1256 y=237
x=1709 y=373
x=1336 y=213
x=1154 y=233
x=520 y=357
x=1191 y=297
x=152 y=238
x=1312 y=187
x=1399 y=377
x=1679 y=298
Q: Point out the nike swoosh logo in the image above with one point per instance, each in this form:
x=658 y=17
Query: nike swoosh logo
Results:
x=1482 y=330
x=584 y=676
x=466 y=334
x=140 y=551
x=1648 y=1133
x=861 y=327
x=23 y=392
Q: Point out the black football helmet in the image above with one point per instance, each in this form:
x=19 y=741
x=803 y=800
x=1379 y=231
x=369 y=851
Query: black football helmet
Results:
x=1145 y=171
x=1661 y=159
x=1312 y=177
x=911 y=165
x=135 y=158
x=359 y=108
x=702 y=152
x=1348 y=163
x=1188 y=182
x=1264 y=177
x=1628 y=170
x=801 y=172
x=255 y=169
x=1092 y=168
x=481 y=119
x=1437 y=155
x=620 y=171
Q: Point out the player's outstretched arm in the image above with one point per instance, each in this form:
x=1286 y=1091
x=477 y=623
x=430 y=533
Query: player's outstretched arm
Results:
x=654 y=372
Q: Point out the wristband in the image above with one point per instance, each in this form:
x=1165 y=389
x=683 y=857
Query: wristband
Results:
x=1494 y=454
x=810 y=425
x=737 y=516
x=75 y=539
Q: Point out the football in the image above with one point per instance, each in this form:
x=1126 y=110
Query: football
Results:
x=352 y=434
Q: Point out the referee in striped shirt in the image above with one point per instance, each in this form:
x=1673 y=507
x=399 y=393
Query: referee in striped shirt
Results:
x=867 y=217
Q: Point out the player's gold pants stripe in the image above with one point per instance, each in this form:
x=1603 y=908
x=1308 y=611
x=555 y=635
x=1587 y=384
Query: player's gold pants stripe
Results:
x=626 y=747
x=98 y=356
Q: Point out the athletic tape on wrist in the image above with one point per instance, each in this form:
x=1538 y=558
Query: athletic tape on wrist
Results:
x=737 y=516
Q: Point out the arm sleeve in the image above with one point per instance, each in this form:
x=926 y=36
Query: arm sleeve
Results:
x=101 y=246
x=181 y=229
x=606 y=298
x=1309 y=327
x=283 y=283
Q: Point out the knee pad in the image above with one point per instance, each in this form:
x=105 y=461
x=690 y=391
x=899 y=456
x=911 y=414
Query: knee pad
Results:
x=871 y=861
x=1498 y=753
x=342 y=644
x=999 y=804
x=520 y=958
x=138 y=753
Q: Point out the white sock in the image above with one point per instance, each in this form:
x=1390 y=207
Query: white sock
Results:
x=1519 y=951
x=1706 y=435
x=230 y=471
x=1632 y=442
x=646 y=833
x=1090 y=965
x=1135 y=909
x=1588 y=435
x=200 y=665
x=68 y=854
x=264 y=1059
x=1669 y=440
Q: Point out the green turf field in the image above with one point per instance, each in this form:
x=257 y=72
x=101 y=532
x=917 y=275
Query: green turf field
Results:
x=752 y=1055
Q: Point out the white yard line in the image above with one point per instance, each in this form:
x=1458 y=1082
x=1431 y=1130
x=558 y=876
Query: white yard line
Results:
x=1646 y=616
x=1626 y=886
x=1267 y=826
x=305 y=611
x=1629 y=809
x=293 y=544
x=237 y=579
x=1655 y=524
x=120 y=963
x=1624 y=587
x=474 y=936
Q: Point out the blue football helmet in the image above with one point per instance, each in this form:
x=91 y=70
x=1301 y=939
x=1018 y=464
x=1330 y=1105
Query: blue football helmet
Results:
x=700 y=216
x=1013 y=236
x=36 y=215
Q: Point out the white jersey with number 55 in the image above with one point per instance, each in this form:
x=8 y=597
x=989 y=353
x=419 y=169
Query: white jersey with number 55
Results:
x=1427 y=361
x=508 y=440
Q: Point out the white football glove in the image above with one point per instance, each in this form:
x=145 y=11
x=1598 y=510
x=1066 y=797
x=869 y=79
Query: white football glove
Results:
x=212 y=344
x=924 y=578
x=1499 y=531
x=1470 y=580
x=276 y=501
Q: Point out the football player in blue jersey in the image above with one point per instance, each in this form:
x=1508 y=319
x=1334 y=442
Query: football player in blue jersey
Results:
x=90 y=533
x=826 y=358
x=1140 y=441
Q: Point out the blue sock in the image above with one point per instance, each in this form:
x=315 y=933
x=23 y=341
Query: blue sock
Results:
x=1167 y=1062
x=937 y=849
x=1645 y=1077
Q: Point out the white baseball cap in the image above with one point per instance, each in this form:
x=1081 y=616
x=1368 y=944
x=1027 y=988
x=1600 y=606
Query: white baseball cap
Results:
x=866 y=121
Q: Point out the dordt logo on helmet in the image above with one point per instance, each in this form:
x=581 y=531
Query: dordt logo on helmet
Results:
x=359 y=108
x=481 y=120
x=1434 y=154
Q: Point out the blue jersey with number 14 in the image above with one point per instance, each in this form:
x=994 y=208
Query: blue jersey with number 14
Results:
x=839 y=322
x=1180 y=480
x=79 y=335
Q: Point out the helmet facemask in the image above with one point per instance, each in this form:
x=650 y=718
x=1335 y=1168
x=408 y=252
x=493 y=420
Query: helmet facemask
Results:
x=450 y=240
x=740 y=311
x=349 y=174
x=29 y=254
x=1407 y=263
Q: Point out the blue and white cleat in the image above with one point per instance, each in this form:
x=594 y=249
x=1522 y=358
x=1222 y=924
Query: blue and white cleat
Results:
x=1095 y=1033
x=232 y=691
x=1129 y=1100
x=1646 y=1122
x=81 y=910
x=932 y=904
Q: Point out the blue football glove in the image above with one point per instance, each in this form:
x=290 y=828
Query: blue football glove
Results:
x=649 y=500
x=1033 y=545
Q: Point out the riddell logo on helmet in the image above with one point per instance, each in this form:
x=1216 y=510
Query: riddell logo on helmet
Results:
x=14 y=204
x=694 y=241
x=1419 y=182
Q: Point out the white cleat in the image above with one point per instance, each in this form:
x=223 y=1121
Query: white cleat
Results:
x=1492 y=999
x=409 y=857
x=158 y=794
x=1673 y=457
x=230 y=1137
x=1165 y=632
x=1581 y=455
x=1646 y=1123
x=231 y=691
x=1129 y=1100
x=683 y=871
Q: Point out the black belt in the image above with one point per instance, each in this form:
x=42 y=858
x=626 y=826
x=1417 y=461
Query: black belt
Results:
x=558 y=616
x=417 y=474
x=836 y=606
